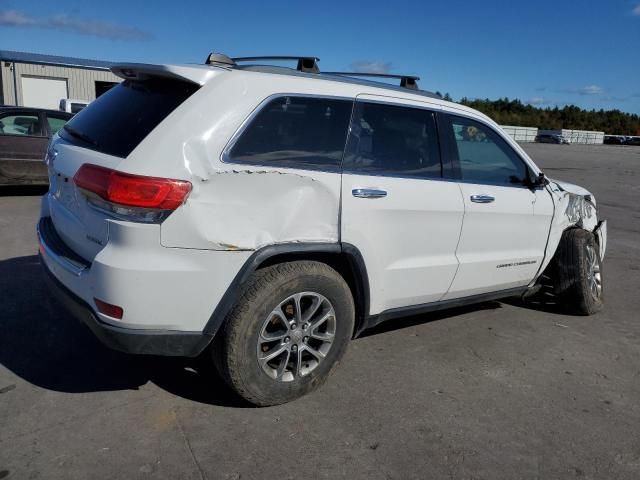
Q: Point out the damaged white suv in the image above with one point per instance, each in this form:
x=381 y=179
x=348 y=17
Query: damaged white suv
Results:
x=263 y=216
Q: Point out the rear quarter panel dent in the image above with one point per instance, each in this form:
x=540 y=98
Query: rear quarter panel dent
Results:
x=246 y=209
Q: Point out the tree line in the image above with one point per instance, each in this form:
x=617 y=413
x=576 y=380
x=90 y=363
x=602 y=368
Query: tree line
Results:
x=514 y=112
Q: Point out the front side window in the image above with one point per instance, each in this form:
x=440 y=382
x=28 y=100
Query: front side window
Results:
x=20 y=124
x=295 y=132
x=483 y=157
x=393 y=140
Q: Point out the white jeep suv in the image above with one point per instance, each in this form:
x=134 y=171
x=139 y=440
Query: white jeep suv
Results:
x=263 y=216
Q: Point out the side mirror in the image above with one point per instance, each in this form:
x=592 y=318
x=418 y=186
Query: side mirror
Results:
x=541 y=180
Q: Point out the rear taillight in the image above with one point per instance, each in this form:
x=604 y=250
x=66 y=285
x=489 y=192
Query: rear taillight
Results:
x=132 y=190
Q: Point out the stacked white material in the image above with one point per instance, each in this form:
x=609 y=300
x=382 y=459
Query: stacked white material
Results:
x=521 y=134
x=586 y=137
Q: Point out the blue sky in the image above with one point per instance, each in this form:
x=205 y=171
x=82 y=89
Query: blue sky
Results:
x=544 y=52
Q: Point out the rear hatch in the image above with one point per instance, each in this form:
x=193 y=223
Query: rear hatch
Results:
x=104 y=134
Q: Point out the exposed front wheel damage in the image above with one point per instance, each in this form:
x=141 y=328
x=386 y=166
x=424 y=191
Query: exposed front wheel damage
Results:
x=573 y=280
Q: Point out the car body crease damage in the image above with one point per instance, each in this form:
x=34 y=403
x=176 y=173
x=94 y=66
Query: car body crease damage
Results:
x=234 y=210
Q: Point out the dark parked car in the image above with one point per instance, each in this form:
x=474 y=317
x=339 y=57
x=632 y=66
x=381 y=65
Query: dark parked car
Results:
x=614 y=140
x=551 y=138
x=24 y=135
x=633 y=141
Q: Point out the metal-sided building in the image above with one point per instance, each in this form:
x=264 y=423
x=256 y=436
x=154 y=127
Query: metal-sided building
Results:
x=36 y=80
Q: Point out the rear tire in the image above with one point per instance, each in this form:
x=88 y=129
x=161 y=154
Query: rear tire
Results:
x=579 y=272
x=303 y=303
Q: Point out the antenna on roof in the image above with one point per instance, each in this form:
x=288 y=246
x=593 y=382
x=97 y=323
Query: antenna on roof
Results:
x=305 y=64
x=406 y=81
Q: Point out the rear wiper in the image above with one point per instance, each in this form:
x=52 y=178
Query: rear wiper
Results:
x=82 y=136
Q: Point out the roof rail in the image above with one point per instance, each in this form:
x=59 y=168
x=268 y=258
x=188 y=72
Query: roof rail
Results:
x=305 y=64
x=406 y=81
x=309 y=65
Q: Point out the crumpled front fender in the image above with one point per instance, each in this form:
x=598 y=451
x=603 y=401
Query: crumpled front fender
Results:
x=574 y=207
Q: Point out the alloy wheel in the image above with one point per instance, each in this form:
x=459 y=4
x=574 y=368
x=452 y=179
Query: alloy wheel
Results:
x=296 y=336
x=594 y=274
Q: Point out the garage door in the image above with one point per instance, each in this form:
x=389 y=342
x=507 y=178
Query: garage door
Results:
x=43 y=92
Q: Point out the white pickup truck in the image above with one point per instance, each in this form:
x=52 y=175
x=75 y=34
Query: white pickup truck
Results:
x=71 y=105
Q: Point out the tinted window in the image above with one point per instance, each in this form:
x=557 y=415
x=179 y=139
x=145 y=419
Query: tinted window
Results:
x=393 y=140
x=56 y=122
x=76 y=107
x=296 y=132
x=118 y=121
x=20 y=124
x=483 y=156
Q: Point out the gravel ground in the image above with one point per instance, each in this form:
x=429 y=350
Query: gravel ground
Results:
x=493 y=391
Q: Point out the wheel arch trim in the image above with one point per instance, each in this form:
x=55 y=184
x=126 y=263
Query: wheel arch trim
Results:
x=262 y=255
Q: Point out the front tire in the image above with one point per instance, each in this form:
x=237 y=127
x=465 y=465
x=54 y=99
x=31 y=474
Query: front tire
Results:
x=579 y=272
x=287 y=332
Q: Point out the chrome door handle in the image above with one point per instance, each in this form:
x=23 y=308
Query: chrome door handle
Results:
x=482 y=198
x=368 y=193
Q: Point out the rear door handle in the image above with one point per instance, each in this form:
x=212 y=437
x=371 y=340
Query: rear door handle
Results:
x=482 y=198
x=368 y=193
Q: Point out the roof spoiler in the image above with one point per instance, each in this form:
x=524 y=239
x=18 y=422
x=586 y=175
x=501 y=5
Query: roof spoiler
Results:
x=144 y=71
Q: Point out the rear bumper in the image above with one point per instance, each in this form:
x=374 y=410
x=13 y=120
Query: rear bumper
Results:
x=148 y=342
x=158 y=288
x=167 y=294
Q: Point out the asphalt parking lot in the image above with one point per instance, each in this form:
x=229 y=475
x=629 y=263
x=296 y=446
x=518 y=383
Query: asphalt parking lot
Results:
x=495 y=391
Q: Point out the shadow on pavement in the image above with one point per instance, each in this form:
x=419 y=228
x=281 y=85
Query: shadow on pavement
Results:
x=41 y=343
x=45 y=346
x=545 y=300
x=23 y=190
x=540 y=303
x=400 y=323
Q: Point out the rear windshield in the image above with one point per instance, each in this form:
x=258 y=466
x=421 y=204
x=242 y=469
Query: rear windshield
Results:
x=117 y=121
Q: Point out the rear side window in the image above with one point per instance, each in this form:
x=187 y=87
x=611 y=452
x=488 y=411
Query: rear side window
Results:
x=295 y=132
x=116 y=122
x=483 y=157
x=393 y=140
